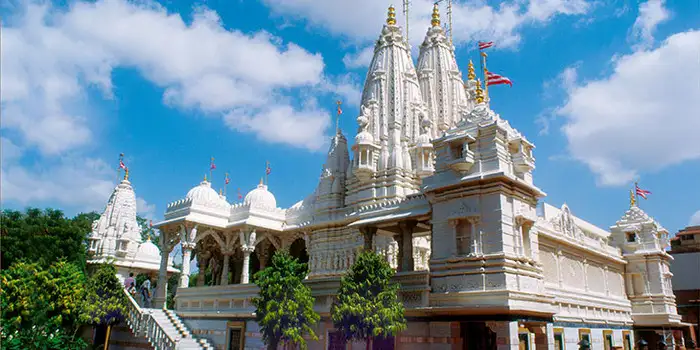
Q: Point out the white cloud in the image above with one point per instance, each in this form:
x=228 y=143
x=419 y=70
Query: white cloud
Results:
x=651 y=14
x=640 y=118
x=359 y=59
x=361 y=20
x=695 y=219
x=52 y=57
x=146 y=210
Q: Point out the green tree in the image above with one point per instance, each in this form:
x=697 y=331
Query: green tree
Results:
x=367 y=306
x=43 y=237
x=41 y=306
x=105 y=302
x=284 y=306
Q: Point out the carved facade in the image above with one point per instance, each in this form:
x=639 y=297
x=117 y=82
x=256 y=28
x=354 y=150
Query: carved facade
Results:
x=442 y=187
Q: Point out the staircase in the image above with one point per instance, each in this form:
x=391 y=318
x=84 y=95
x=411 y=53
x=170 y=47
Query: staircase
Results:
x=163 y=329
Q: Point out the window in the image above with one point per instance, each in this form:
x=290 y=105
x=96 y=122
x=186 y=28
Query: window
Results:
x=687 y=237
x=524 y=341
x=525 y=232
x=234 y=335
x=627 y=340
x=463 y=236
x=631 y=237
x=608 y=340
x=558 y=339
x=457 y=150
x=585 y=334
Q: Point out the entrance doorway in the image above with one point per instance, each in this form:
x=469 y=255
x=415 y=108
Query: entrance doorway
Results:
x=476 y=336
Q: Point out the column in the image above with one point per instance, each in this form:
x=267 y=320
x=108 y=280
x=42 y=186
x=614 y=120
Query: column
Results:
x=159 y=299
x=224 y=271
x=185 y=273
x=368 y=233
x=203 y=264
x=406 y=245
x=245 y=274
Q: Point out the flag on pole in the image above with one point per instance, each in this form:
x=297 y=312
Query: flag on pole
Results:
x=240 y=196
x=485 y=44
x=495 y=79
x=150 y=223
x=640 y=192
x=227 y=181
x=212 y=166
x=268 y=170
x=340 y=111
x=121 y=164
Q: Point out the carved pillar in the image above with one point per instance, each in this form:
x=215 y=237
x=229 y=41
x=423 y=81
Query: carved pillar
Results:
x=247 y=247
x=167 y=247
x=186 y=255
x=368 y=234
x=202 y=263
x=406 y=245
x=224 y=272
x=263 y=253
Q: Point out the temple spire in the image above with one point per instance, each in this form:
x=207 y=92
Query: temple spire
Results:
x=126 y=174
x=435 y=21
x=633 y=201
x=479 y=92
x=391 y=16
x=471 y=75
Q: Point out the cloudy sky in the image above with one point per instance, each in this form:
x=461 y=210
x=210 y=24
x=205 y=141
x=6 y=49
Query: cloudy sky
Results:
x=609 y=92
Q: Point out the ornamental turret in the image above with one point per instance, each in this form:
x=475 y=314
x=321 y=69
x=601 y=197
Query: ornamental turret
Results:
x=330 y=193
x=392 y=109
x=440 y=80
x=116 y=232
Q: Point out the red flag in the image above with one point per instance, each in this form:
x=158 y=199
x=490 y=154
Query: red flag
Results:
x=150 y=223
x=121 y=164
x=240 y=196
x=340 y=111
x=227 y=179
x=485 y=44
x=640 y=192
x=212 y=166
x=268 y=170
x=495 y=79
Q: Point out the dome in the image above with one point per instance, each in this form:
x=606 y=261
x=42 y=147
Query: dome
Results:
x=364 y=137
x=148 y=253
x=203 y=194
x=260 y=197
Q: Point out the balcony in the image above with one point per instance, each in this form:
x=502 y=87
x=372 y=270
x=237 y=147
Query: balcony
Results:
x=235 y=300
x=523 y=163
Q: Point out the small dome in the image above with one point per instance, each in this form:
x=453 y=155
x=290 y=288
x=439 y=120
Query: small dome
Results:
x=364 y=137
x=148 y=253
x=260 y=197
x=203 y=194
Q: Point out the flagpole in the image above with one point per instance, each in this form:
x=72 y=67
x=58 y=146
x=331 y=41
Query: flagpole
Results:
x=119 y=168
x=267 y=166
x=337 y=119
x=486 y=78
x=636 y=195
x=210 y=169
x=225 y=184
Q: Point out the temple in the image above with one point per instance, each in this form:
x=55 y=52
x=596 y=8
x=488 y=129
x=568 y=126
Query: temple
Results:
x=443 y=187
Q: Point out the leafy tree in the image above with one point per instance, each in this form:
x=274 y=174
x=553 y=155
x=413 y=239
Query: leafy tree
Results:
x=43 y=236
x=284 y=306
x=105 y=302
x=367 y=306
x=41 y=306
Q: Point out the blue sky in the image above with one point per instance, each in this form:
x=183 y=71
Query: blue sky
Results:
x=607 y=91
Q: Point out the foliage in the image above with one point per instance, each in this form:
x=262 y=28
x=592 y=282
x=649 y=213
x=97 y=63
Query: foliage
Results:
x=367 y=304
x=284 y=306
x=41 y=306
x=147 y=231
x=43 y=236
x=105 y=302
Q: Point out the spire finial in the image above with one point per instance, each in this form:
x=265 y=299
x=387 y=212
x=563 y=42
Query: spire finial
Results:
x=221 y=192
x=261 y=181
x=205 y=177
x=391 y=16
x=436 y=16
x=126 y=174
x=471 y=75
x=479 y=92
x=633 y=201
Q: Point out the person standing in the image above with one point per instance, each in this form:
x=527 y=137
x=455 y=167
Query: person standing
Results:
x=129 y=280
x=146 y=292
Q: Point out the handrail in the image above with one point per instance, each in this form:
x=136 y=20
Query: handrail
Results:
x=143 y=323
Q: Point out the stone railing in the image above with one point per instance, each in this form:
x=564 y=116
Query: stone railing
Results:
x=142 y=323
x=135 y=317
x=227 y=300
x=235 y=300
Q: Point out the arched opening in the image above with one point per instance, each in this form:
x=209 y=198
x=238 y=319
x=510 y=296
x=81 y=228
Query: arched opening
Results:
x=298 y=250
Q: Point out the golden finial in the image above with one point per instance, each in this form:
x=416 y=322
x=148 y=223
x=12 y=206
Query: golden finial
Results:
x=126 y=174
x=205 y=177
x=261 y=181
x=470 y=71
x=220 y=192
x=391 y=16
x=633 y=201
x=436 y=16
x=479 y=92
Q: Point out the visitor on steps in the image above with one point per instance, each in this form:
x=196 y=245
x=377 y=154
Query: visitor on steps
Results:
x=146 y=292
x=129 y=280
